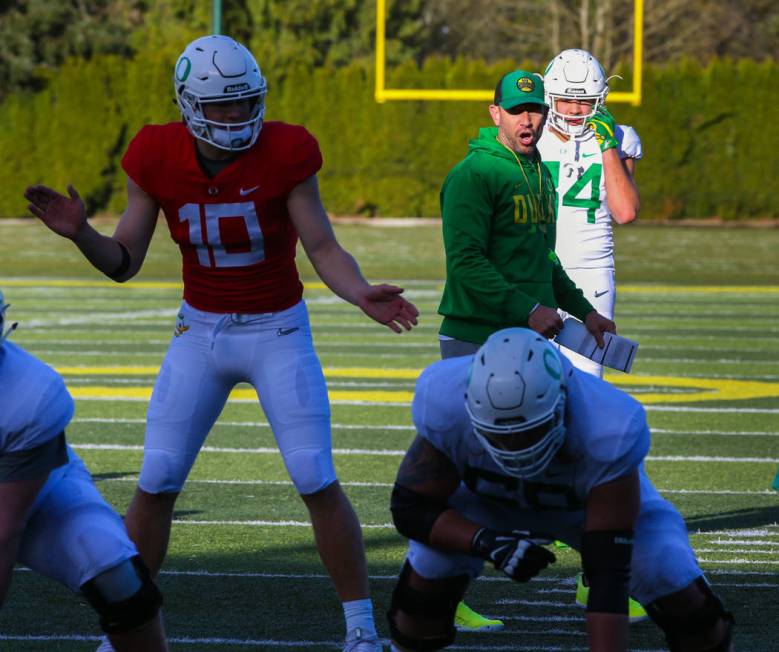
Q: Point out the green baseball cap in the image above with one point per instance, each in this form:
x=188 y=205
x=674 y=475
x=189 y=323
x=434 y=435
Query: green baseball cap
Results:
x=519 y=87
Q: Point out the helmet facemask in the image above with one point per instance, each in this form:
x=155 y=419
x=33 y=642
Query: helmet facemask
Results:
x=231 y=136
x=218 y=70
x=523 y=450
x=516 y=401
x=571 y=125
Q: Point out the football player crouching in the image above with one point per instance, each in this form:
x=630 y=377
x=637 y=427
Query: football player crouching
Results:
x=539 y=446
x=52 y=517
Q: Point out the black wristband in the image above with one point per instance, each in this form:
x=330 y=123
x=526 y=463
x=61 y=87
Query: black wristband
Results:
x=124 y=264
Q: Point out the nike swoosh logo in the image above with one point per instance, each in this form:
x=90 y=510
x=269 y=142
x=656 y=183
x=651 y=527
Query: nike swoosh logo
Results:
x=588 y=155
x=247 y=191
x=600 y=294
x=281 y=332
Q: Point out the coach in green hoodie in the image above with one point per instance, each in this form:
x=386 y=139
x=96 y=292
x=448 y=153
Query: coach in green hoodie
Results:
x=499 y=211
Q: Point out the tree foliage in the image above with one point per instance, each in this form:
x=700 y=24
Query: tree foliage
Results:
x=38 y=35
x=703 y=155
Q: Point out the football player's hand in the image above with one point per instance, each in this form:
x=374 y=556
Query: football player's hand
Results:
x=605 y=128
x=65 y=216
x=597 y=324
x=384 y=304
x=513 y=553
x=545 y=321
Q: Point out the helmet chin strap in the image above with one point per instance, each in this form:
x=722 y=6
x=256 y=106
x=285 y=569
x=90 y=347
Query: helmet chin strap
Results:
x=11 y=329
x=231 y=138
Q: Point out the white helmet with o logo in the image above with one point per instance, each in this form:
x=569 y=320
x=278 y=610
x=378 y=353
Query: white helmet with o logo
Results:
x=516 y=400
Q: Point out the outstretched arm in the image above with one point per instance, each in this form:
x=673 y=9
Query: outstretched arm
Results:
x=119 y=256
x=338 y=269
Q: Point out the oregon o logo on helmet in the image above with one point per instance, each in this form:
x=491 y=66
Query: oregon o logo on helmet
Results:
x=182 y=75
x=526 y=85
x=552 y=364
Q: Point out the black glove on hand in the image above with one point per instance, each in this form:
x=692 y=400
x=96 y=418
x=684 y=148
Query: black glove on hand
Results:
x=512 y=553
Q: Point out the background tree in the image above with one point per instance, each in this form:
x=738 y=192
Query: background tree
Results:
x=38 y=35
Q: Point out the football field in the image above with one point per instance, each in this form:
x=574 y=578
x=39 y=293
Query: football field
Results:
x=242 y=572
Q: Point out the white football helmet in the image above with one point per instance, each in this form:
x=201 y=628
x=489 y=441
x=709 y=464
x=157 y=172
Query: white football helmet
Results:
x=574 y=75
x=3 y=332
x=218 y=69
x=516 y=400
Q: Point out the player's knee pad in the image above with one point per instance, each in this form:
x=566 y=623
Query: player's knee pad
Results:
x=164 y=470
x=311 y=469
x=439 y=603
x=118 y=611
x=680 y=626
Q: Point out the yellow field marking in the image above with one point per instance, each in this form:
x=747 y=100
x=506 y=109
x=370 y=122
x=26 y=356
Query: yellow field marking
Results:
x=108 y=371
x=701 y=389
x=132 y=285
x=708 y=389
x=698 y=289
x=330 y=372
x=144 y=393
x=75 y=283
x=371 y=372
x=318 y=285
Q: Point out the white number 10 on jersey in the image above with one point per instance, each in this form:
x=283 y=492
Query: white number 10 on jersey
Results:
x=211 y=251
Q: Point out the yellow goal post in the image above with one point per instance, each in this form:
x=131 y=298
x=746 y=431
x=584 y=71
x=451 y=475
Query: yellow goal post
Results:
x=384 y=94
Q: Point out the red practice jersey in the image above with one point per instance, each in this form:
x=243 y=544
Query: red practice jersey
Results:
x=234 y=231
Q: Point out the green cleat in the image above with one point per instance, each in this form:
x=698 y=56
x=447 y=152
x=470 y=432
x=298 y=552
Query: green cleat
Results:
x=775 y=485
x=636 y=612
x=560 y=545
x=467 y=620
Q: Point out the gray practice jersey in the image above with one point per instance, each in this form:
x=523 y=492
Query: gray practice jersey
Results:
x=35 y=406
x=606 y=438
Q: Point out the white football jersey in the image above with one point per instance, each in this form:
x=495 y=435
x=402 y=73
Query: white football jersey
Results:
x=584 y=233
x=35 y=405
x=606 y=437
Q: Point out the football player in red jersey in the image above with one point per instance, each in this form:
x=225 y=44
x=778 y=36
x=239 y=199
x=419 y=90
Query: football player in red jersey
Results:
x=237 y=194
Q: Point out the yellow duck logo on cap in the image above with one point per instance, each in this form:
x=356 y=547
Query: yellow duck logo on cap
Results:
x=526 y=85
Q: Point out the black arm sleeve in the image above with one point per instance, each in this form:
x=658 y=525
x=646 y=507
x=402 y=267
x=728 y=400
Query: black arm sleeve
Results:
x=414 y=514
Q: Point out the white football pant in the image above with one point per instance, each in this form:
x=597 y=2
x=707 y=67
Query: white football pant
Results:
x=212 y=352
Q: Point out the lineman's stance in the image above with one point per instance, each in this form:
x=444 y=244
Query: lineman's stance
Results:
x=53 y=519
x=591 y=160
x=538 y=446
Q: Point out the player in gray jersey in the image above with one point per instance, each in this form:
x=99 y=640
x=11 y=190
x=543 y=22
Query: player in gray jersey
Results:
x=53 y=519
x=539 y=450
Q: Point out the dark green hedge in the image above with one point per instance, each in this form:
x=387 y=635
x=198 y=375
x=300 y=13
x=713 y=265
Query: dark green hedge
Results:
x=709 y=133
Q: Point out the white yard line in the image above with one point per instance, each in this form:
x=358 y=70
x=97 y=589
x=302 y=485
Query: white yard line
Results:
x=399 y=453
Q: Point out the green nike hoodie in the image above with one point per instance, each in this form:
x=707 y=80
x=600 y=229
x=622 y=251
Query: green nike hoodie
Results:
x=499 y=238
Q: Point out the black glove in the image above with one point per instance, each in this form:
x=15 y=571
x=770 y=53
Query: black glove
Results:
x=512 y=553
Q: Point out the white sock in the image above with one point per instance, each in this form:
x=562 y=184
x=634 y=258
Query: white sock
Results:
x=359 y=613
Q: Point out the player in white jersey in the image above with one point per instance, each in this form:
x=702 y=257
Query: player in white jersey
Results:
x=53 y=519
x=538 y=450
x=592 y=160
